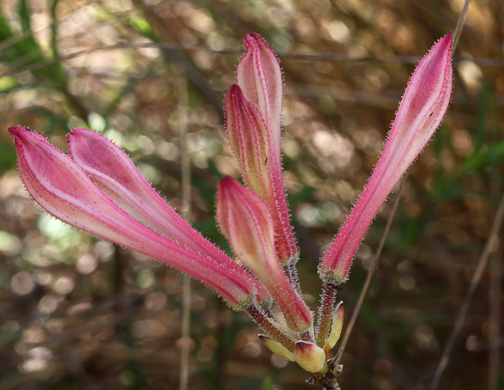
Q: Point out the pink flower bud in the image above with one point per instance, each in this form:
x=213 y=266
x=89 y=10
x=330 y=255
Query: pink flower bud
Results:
x=117 y=176
x=421 y=111
x=254 y=110
x=62 y=188
x=247 y=224
x=260 y=78
x=249 y=140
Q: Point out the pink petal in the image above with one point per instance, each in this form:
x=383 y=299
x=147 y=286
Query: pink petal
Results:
x=421 y=111
x=260 y=78
x=249 y=140
x=62 y=188
x=117 y=176
x=246 y=222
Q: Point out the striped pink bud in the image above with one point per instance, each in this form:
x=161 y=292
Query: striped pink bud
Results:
x=247 y=224
x=64 y=190
x=117 y=176
x=254 y=112
x=420 y=112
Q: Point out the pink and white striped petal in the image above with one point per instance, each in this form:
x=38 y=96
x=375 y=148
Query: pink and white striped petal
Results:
x=62 y=188
x=260 y=79
x=247 y=224
x=117 y=176
x=421 y=111
x=249 y=140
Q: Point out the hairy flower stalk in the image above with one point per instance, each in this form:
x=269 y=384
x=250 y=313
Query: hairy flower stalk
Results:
x=62 y=188
x=420 y=112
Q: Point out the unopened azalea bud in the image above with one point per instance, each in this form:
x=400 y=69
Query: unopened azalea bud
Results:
x=336 y=326
x=63 y=189
x=421 y=111
x=277 y=348
x=249 y=140
x=117 y=176
x=260 y=78
x=310 y=357
x=254 y=112
x=246 y=222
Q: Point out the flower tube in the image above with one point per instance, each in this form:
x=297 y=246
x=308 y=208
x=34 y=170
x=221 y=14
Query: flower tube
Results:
x=117 y=176
x=420 y=112
x=259 y=109
x=247 y=224
x=62 y=188
x=249 y=139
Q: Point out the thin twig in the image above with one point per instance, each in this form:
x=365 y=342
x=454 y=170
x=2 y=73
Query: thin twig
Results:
x=9 y=42
x=474 y=283
x=333 y=57
x=494 y=297
x=186 y=210
x=371 y=271
x=460 y=25
x=482 y=263
x=494 y=293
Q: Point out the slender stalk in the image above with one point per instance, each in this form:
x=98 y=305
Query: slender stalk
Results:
x=264 y=322
x=326 y=309
x=490 y=246
x=186 y=210
x=460 y=25
x=371 y=271
x=290 y=271
x=482 y=261
x=494 y=296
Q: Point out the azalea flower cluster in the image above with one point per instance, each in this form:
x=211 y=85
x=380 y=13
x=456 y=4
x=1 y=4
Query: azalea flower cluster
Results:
x=98 y=189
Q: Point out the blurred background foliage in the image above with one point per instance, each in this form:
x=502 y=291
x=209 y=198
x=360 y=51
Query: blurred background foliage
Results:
x=78 y=313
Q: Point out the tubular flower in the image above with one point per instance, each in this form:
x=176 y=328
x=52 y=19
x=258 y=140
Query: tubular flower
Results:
x=117 y=176
x=254 y=112
x=249 y=140
x=247 y=224
x=420 y=112
x=61 y=187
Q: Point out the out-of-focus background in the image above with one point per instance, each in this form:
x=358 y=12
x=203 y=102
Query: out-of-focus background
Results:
x=78 y=313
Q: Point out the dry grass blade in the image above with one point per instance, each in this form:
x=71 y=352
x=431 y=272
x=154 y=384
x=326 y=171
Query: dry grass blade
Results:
x=332 y=57
x=482 y=263
x=186 y=211
x=494 y=319
x=460 y=25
